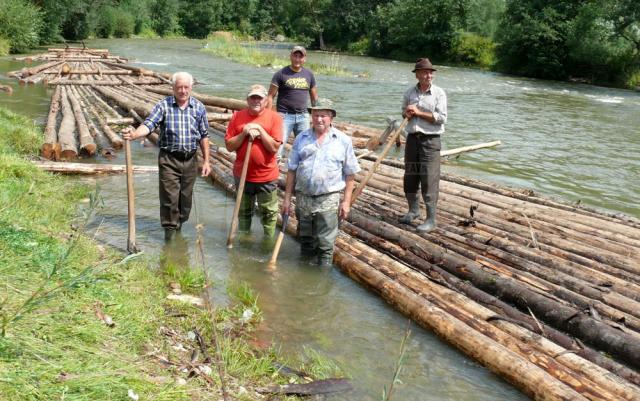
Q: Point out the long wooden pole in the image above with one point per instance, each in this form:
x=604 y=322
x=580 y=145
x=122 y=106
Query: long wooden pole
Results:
x=276 y=248
x=131 y=240
x=381 y=157
x=236 y=210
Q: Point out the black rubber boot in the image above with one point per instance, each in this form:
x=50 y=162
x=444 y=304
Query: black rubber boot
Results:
x=430 y=223
x=414 y=209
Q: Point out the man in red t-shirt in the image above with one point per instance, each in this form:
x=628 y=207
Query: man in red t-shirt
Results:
x=264 y=127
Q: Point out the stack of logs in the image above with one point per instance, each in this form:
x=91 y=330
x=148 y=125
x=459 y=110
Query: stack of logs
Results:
x=544 y=294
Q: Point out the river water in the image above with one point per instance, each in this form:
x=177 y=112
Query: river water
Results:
x=575 y=142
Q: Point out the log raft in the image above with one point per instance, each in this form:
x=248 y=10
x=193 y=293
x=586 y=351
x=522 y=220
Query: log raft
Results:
x=544 y=293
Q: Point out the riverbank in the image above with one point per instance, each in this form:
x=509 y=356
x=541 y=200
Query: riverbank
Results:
x=81 y=321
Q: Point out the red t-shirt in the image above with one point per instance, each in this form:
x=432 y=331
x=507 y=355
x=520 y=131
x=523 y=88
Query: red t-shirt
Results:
x=262 y=165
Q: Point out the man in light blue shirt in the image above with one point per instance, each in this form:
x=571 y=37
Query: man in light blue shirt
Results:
x=321 y=164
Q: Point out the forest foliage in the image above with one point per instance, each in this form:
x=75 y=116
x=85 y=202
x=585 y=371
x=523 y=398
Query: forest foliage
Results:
x=596 y=41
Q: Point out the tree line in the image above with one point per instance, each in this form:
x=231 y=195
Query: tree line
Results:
x=595 y=41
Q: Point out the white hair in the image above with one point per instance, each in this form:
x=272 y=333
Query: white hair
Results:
x=181 y=75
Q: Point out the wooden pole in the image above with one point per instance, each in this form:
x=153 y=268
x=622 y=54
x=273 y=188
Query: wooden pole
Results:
x=386 y=149
x=131 y=240
x=236 y=210
x=276 y=248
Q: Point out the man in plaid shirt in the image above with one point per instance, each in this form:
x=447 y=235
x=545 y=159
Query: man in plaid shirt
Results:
x=183 y=125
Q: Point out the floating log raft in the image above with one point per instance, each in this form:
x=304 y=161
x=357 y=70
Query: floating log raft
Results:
x=527 y=310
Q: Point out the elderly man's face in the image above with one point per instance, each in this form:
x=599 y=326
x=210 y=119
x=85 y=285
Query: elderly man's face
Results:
x=425 y=77
x=256 y=104
x=321 y=120
x=182 y=90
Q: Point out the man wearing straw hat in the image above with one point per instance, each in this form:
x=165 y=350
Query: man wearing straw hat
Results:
x=321 y=164
x=425 y=105
x=264 y=127
x=292 y=84
x=183 y=126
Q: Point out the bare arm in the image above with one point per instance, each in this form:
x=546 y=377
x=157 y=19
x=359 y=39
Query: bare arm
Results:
x=288 y=192
x=235 y=142
x=313 y=94
x=206 y=167
x=412 y=110
x=273 y=91
x=345 y=205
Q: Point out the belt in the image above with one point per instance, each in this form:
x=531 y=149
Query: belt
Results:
x=422 y=134
x=180 y=154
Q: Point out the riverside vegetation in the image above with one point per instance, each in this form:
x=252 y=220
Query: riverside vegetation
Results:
x=593 y=41
x=79 y=321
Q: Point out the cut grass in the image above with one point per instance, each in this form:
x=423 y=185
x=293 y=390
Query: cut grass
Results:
x=56 y=286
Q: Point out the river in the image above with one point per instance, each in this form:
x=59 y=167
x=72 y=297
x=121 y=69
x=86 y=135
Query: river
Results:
x=575 y=142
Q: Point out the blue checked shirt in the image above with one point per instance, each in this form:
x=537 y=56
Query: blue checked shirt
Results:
x=180 y=130
x=322 y=168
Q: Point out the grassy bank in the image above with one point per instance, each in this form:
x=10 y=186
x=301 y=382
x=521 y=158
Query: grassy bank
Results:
x=60 y=292
x=224 y=44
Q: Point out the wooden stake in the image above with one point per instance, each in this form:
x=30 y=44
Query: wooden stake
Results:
x=390 y=142
x=276 y=248
x=131 y=240
x=236 y=210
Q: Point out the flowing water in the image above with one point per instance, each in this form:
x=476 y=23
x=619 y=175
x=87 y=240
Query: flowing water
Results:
x=571 y=141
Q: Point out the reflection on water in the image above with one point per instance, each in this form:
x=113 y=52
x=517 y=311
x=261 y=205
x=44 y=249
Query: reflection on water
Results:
x=574 y=141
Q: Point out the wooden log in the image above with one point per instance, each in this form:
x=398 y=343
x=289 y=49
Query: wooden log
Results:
x=619 y=344
x=66 y=132
x=61 y=81
x=87 y=145
x=470 y=148
x=508 y=312
x=51 y=148
x=585 y=378
x=116 y=140
x=6 y=89
x=86 y=168
x=103 y=144
x=120 y=121
x=529 y=378
x=141 y=109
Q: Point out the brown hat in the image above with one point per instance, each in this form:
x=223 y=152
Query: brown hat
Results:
x=299 y=49
x=423 y=64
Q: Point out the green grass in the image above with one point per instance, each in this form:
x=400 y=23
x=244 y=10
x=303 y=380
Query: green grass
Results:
x=55 y=282
x=225 y=45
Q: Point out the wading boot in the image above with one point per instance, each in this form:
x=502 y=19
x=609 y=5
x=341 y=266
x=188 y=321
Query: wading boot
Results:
x=430 y=223
x=414 y=209
x=169 y=234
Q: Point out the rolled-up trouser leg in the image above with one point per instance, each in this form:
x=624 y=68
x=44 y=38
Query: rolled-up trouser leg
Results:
x=268 y=209
x=430 y=174
x=326 y=227
x=305 y=233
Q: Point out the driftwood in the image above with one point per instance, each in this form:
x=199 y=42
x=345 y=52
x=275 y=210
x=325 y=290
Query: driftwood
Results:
x=326 y=386
x=7 y=89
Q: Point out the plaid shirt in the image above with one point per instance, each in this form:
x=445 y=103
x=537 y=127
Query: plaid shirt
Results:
x=180 y=130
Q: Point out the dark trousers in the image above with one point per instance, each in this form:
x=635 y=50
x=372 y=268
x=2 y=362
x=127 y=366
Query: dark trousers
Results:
x=422 y=165
x=177 y=175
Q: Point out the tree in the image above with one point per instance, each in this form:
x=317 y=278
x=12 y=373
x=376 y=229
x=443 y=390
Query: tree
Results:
x=20 y=24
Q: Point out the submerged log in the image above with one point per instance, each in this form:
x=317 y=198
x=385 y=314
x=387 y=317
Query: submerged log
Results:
x=51 y=148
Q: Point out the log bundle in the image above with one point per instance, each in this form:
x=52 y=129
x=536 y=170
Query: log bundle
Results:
x=544 y=294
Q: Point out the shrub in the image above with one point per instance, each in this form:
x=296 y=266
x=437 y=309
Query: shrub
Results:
x=124 y=24
x=20 y=22
x=361 y=47
x=472 y=49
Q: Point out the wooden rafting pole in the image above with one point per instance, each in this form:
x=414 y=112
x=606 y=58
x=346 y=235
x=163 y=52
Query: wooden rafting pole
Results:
x=131 y=240
x=381 y=157
x=236 y=210
x=276 y=248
